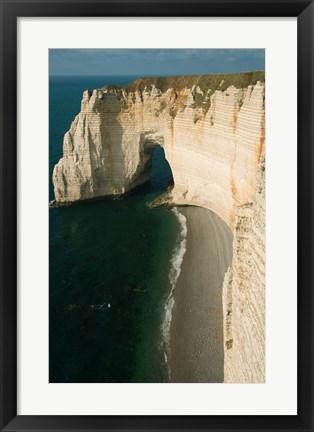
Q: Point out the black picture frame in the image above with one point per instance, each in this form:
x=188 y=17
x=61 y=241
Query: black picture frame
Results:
x=10 y=11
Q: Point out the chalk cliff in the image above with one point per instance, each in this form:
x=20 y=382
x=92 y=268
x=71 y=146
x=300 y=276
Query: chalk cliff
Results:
x=212 y=130
x=244 y=292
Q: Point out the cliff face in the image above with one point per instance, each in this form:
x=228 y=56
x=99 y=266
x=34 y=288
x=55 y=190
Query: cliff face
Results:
x=244 y=292
x=212 y=130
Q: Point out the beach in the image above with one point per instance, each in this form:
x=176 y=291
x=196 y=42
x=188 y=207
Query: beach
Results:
x=196 y=330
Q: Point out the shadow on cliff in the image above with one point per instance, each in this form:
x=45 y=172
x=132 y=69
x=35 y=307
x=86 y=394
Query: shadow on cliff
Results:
x=161 y=177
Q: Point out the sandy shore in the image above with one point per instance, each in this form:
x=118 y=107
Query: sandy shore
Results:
x=196 y=331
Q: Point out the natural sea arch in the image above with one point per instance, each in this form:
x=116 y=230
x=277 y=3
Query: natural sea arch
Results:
x=153 y=157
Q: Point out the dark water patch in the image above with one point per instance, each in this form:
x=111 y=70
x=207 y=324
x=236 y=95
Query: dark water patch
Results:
x=109 y=262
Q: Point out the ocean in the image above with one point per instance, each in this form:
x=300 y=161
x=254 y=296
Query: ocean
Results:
x=112 y=268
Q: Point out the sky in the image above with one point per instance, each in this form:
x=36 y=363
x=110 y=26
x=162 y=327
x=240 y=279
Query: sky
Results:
x=153 y=62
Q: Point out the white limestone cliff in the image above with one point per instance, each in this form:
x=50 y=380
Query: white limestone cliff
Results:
x=212 y=130
x=244 y=292
x=212 y=138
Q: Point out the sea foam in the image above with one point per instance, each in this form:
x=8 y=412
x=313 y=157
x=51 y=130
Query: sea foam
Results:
x=174 y=273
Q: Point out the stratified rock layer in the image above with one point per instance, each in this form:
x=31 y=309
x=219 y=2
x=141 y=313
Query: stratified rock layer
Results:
x=212 y=130
x=212 y=135
x=244 y=292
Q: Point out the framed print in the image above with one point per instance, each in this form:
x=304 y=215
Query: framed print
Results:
x=156 y=215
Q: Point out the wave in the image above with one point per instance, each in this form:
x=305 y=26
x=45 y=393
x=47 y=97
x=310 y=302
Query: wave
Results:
x=174 y=273
x=100 y=306
x=97 y=306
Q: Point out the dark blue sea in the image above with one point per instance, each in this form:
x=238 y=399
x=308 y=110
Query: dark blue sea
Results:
x=109 y=267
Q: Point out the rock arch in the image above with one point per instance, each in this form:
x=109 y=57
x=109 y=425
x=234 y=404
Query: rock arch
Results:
x=213 y=160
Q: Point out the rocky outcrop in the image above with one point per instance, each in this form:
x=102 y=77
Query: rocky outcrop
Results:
x=212 y=130
x=244 y=292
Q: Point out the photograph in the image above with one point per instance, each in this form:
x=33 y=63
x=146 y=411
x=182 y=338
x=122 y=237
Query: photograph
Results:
x=157 y=215
x=162 y=277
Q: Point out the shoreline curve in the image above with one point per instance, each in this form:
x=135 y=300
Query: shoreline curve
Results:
x=196 y=330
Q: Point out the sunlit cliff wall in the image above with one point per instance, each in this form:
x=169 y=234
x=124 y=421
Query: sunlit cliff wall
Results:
x=211 y=128
x=244 y=292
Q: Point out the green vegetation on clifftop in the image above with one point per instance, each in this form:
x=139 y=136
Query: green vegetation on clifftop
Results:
x=205 y=82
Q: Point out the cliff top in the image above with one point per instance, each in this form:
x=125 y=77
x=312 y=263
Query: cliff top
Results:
x=212 y=81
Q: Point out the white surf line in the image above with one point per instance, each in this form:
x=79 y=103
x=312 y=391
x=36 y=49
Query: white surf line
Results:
x=175 y=270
